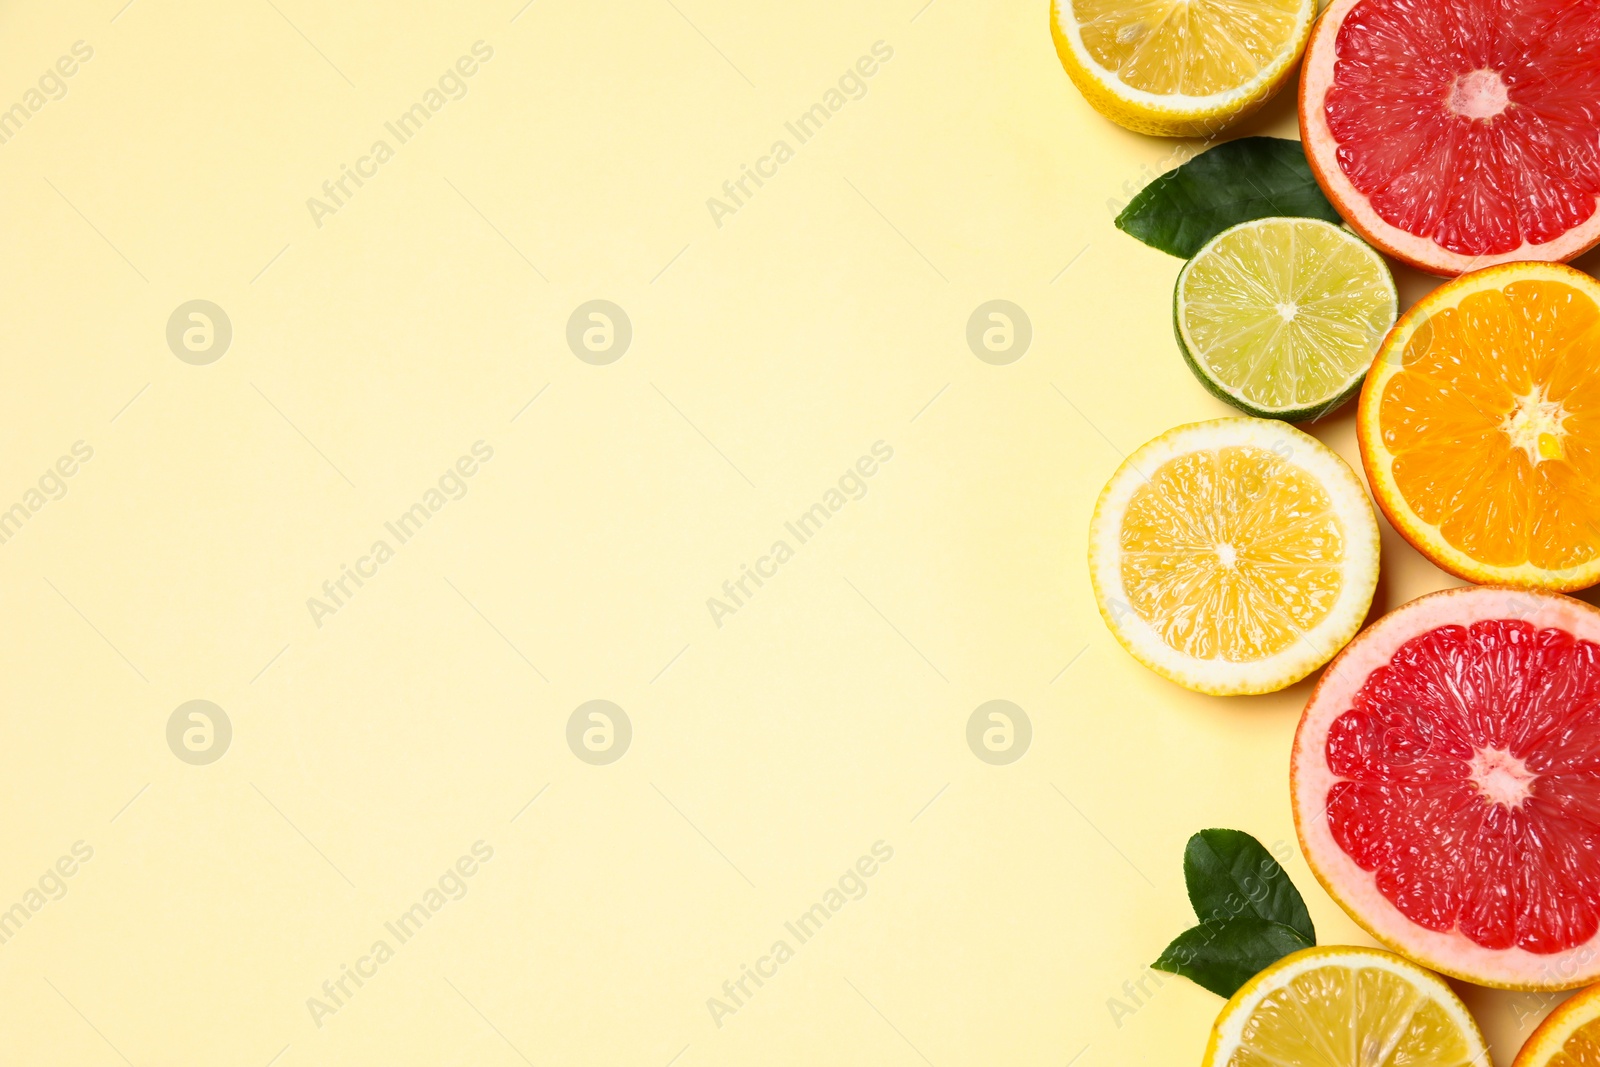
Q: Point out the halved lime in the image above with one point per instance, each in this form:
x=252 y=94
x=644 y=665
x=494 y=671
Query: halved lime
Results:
x=1282 y=317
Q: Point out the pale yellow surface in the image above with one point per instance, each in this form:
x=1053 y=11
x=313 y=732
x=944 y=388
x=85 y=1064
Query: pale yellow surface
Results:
x=768 y=754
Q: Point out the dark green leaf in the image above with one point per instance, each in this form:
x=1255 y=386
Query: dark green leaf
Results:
x=1225 y=954
x=1251 y=178
x=1229 y=874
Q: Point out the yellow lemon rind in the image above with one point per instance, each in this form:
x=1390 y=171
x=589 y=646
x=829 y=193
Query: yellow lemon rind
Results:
x=1314 y=648
x=1173 y=115
x=1228 y=1030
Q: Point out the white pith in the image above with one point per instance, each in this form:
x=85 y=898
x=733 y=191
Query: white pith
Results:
x=1316 y=79
x=1359 y=575
x=1479 y=94
x=1501 y=777
x=1180 y=105
x=1356 y=889
x=1535 y=426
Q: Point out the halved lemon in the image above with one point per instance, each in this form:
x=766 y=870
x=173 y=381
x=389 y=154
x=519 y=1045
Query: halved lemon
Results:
x=1179 y=68
x=1570 y=1037
x=1480 y=427
x=1345 y=1007
x=1234 y=556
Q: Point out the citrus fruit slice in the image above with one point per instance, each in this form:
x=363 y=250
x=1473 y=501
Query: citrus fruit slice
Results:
x=1233 y=556
x=1281 y=317
x=1456 y=134
x=1179 y=68
x=1480 y=426
x=1446 y=785
x=1570 y=1037
x=1339 y=1006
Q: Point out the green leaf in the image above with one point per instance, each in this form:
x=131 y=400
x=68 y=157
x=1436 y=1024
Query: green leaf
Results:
x=1229 y=874
x=1224 y=954
x=1251 y=178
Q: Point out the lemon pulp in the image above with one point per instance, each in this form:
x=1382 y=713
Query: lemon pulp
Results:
x=1339 y=1016
x=1186 y=47
x=1231 y=553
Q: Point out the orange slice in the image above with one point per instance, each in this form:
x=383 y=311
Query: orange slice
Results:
x=1570 y=1037
x=1480 y=427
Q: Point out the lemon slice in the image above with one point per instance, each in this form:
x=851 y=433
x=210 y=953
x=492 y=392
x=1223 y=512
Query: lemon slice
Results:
x=1179 y=68
x=1234 y=556
x=1281 y=317
x=1345 y=1007
x=1570 y=1037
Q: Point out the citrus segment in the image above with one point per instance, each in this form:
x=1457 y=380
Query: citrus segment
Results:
x=1179 y=67
x=1446 y=781
x=1281 y=316
x=1455 y=134
x=1233 y=556
x=1480 y=427
x=1569 y=1037
x=1344 y=1007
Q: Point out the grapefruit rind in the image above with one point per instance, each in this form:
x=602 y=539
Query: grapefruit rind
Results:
x=1176 y=114
x=1552 y=1034
x=1228 y=1031
x=1422 y=253
x=1378 y=461
x=1316 y=646
x=1310 y=781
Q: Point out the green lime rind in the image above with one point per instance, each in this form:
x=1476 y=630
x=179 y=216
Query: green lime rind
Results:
x=1308 y=410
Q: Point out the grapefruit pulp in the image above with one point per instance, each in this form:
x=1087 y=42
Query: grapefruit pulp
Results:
x=1446 y=785
x=1456 y=134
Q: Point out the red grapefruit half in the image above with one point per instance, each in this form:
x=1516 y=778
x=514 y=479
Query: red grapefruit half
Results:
x=1446 y=785
x=1457 y=134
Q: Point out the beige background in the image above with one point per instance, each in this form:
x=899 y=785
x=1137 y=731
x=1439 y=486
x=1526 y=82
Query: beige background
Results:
x=768 y=354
